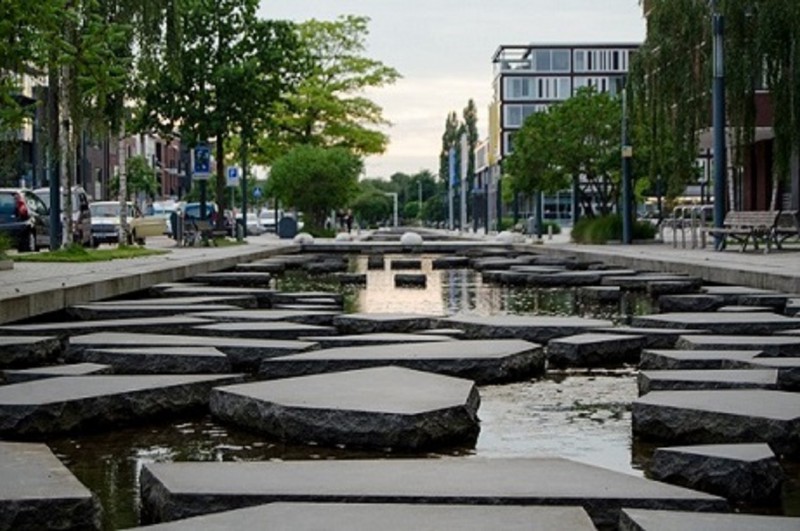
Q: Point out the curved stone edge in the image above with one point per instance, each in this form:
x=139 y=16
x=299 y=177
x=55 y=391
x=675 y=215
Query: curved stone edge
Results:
x=357 y=429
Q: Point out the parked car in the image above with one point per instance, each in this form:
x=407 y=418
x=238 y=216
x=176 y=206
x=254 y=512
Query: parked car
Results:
x=106 y=223
x=163 y=209
x=24 y=219
x=268 y=219
x=192 y=211
x=81 y=215
x=254 y=227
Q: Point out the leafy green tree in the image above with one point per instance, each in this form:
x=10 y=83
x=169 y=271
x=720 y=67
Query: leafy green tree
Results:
x=450 y=139
x=315 y=180
x=231 y=71
x=371 y=206
x=328 y=108
x=470 y=116
x=141 y=178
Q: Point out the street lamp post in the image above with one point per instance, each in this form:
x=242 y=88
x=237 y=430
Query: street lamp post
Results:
x=393 y=195
x=627 y=186
x=720 y=164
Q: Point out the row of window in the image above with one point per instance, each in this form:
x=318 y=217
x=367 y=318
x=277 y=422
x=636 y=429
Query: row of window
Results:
x=515 y=115
x=579 y=60
x=556 y=88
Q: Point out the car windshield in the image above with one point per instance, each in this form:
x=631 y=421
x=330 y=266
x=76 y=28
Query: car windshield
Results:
x=107 y=210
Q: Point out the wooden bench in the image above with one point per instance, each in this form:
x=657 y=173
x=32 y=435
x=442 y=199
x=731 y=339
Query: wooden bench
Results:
x=198 y=231
x=787 y=226
x=747 y=226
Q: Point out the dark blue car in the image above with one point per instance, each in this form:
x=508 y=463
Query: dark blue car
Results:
x=24 y=219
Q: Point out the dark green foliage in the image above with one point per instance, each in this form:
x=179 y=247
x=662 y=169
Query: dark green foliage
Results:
x=603 y=229
x=372 y=207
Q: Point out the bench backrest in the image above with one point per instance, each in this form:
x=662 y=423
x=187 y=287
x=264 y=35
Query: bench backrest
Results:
x=751 y=218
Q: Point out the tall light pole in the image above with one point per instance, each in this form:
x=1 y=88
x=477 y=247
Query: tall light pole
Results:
x=419 y=198
x=718 y=95
x=627 y=186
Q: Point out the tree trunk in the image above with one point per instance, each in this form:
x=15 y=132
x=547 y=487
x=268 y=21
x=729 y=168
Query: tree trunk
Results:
x=220 y=223
x=123 y=183
x=67 y=159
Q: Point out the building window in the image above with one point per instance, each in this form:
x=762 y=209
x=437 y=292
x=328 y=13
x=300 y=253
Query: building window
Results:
x=580 y=61
x=518 y=88
x=560 y=60
x=542 y=60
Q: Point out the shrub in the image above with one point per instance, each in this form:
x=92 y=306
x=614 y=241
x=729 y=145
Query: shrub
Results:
x=5 y=245
x=607 y=228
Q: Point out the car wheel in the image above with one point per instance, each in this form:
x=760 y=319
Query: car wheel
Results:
x=29 y=243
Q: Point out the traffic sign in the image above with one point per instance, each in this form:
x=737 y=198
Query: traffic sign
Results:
x=201 y=163
x=257 y=193
x=233 y=176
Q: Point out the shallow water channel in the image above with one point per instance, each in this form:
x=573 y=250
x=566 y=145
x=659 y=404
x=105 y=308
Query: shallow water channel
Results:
x=581 y=416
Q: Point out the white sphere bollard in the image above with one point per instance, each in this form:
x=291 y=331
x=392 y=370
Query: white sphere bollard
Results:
x=410 y=238
x=303 y=238
x=344 y=237
x=508 y=237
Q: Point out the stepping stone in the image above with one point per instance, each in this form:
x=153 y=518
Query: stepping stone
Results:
x=386 y=407
x=792 y=307
x=538 y=269
x=594 y=350
x=494 y=263
x=644 y=520
x=387 y=517
x=66 y=404
x=38 y=492
x=29 y=350
x=610 y=294
x=741 y=472
x=641 y=282
x=158 y=360
x=263 y=296
x=566 y=279
x=54 y=371
x=180 y=490
x=263 y=330
x=262 y=266
x=788 y=371
x=409 y=281
x=88 y=312
x=361 y=340
x=244 y=279
x=769 y=345
x=481 y=361
x=742 y=324
x=326 y=266
x=707 y=379
x=317 y=317
x=282 y=297
x=744 y=309
x=154 y=325
x=351 y=278
x=449 y=332
x=511 y=278
x=450 y=262
x=745 y=296
x=673 y=287
x=240 y=301
x=405 y=263
x=535 y=328
x=376 y=261
x=690 y=303
x=679 y=360
x=368 y=323
x=308 y=307
x=725 y=416
x=658 y=338
x=244 y=354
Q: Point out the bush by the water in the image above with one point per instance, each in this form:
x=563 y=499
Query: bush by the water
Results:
x=608 y=228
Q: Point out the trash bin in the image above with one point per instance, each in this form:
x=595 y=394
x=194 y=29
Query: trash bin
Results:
x=176 y=221
x=287 y=228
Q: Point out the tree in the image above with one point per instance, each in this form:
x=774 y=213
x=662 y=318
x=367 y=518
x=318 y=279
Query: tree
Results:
x=315 y=180
x=329 y=108
x=371 y=207
x=231 y=71
x=470 y=116
x=578 y=138
x=450 y=140
x=140 y=178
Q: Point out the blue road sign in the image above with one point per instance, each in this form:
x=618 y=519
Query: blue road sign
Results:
x=233 y=176
x=257 y=193
x=201 y=167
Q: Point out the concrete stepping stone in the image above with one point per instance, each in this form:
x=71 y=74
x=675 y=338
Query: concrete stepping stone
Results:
x=263 y=296
x=306 y=297
x=745 y=309
x=351 y=278
x=369 y=323
x=316 y=317
x=307 y=307
x=566 y=279
x=262 y=266
x=778 y=346
x=154 y=324
x=742 y=324
x=690 y=303
x=724 y=416
x=361 y=340
x=482 y=361
x=450 y=332
x=376 y=261
x=746 y=296
x=55 y=371
x=673 y=287
x=244 y=279
x=405 y=263
x=594 y=350
x=38 y=492
x=406 y=280
x=264 y=330
x=244 y=354
x=499 y=263
x=66 y=404
x=788 y=371
x=327 y=266
x=179 y=490
x=29 y=350
x=645 y=520
x=88 y=312
x=240 y=301
x=640 y=282
x=158 y=360
x=386 y=407
x=535 y=328
x=740 y=472
x=679 y=360
x=658 y=338
x=387 y=517
x=538 y=269
x=450 y=262
x=608 y=294
x=707 y=379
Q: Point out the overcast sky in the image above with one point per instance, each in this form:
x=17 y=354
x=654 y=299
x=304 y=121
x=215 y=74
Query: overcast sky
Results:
x=443 y=49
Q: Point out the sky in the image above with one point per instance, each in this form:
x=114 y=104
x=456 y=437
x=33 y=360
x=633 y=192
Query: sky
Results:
x=444 y=48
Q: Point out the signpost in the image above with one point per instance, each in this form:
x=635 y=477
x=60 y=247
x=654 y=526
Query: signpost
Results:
x=201 y=171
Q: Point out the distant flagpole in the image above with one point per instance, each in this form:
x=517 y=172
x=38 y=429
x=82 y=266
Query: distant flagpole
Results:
x=450 y=184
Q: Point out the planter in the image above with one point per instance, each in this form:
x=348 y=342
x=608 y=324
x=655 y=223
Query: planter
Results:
x=6 y=264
